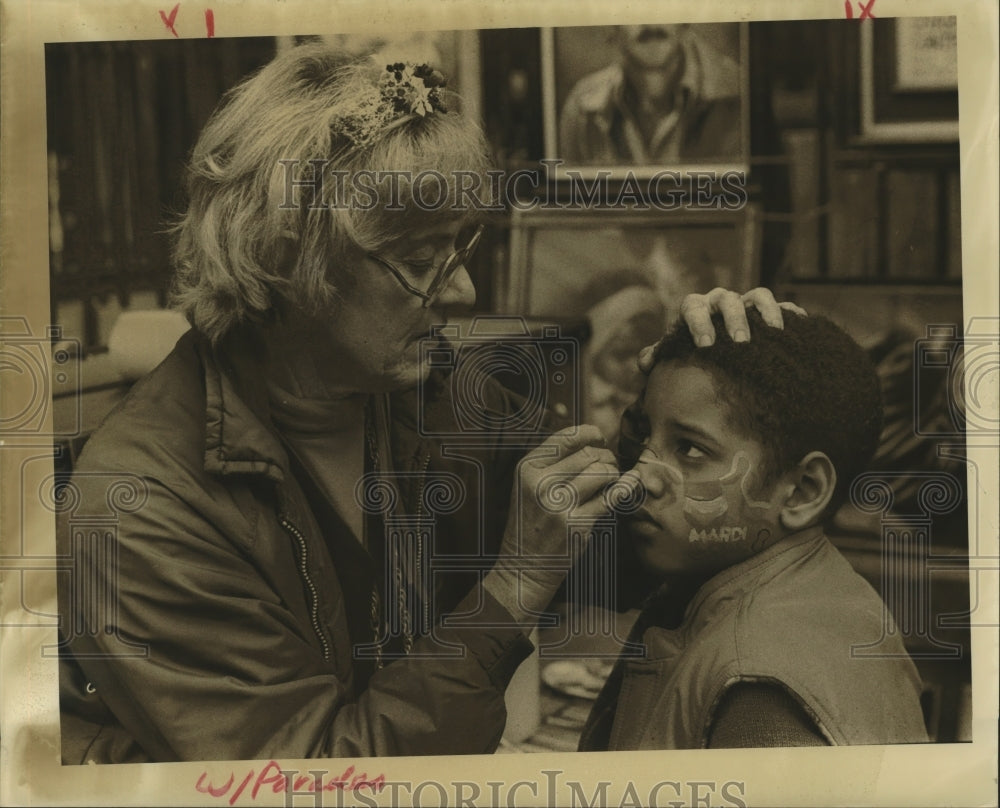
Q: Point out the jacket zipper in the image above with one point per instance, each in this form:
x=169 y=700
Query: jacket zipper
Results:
x=423 y=484
x=313 y=595
x=420 y=541
x=375 y=605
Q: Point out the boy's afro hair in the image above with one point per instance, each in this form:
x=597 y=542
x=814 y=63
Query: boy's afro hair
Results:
x=798 y=389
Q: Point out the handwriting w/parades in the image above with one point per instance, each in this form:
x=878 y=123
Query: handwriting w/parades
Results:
x=279 y=781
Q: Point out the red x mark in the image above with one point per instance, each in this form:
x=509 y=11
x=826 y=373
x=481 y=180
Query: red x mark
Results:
x=866 y=10
x=169 y=21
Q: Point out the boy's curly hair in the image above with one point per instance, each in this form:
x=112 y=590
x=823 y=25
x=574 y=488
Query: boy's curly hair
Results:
x=807 y=387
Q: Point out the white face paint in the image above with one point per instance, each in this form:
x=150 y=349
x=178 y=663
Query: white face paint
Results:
x=704 y=508
x=721 y=534
x=733 y=487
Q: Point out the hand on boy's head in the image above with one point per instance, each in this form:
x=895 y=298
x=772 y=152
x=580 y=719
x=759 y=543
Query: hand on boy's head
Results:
x=697 y=311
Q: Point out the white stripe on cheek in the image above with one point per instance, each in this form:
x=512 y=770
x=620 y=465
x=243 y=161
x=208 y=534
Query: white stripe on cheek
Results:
x=741 y=471
x=706 y=508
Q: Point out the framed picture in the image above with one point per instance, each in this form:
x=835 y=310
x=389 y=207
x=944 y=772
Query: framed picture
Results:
x=627 y=274
x=642 y=98
x=909 y=79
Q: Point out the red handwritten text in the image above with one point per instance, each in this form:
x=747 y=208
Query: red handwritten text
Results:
x=864 y=8
x=272 y=776
x=169 y=21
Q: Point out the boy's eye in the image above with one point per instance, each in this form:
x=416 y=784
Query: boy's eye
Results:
x=690 y=450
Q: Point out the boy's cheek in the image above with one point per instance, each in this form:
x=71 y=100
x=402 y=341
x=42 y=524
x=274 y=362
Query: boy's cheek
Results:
x=719 y=546
x=744 y=534
x=725 y=502
x=720 y=534
x=701 y=528
x=681 y=547
x=704 y=511
x=707 y=523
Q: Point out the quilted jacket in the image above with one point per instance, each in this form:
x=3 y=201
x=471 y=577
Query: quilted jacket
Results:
x=217 y=604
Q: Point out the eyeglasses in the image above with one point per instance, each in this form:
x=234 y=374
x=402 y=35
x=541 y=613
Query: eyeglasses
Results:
x=443 y=274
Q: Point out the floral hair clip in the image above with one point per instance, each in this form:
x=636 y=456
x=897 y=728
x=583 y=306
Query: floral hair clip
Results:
x=404 y=89
x=408 y=96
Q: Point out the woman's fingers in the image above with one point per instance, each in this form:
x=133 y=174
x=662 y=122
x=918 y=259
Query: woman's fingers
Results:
x=763 y=300
x=576 y=481
x=697 y=311
x=584 y=458
x=697 y=315
x=564 y=443
x=734 y=313
x=624 y=491
x=789 y=306
x=570 y=468
x=647 y=357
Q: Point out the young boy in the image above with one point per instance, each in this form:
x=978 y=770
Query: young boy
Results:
x=743 y=450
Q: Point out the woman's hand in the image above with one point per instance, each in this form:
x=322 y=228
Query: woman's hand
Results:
x=564 y=477
x=697 y=311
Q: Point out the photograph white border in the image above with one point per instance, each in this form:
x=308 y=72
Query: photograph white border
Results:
x=873 y=130
x=953 y=774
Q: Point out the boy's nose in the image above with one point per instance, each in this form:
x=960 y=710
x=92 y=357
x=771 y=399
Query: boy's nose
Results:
x=660 y=480
x=653 y=483
x=657 y=478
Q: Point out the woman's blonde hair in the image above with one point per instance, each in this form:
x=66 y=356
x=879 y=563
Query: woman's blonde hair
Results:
x=257 y=236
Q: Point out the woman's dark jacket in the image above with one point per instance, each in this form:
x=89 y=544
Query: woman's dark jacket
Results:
x=216 y=597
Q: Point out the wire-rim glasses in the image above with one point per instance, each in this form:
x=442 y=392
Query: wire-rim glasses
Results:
x=444 y=273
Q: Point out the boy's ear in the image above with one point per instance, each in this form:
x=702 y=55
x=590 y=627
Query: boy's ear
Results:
x=809 y=490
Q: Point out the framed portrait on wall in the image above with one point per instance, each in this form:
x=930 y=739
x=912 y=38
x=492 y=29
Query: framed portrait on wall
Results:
x=909 y=79
x=646 y=97
x=626 y=273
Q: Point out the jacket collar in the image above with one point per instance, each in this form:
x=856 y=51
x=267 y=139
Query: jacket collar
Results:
x=239 y=434
x=746 y=574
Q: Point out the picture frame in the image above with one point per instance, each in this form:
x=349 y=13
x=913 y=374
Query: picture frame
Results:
x=625 y=273
x=590 y=125
x=908 y=91
x=572 y=238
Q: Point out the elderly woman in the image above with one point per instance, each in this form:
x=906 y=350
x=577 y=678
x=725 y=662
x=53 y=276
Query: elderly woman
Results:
x=268 y=583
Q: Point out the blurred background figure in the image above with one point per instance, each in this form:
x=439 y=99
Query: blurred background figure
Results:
x=621 y=324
